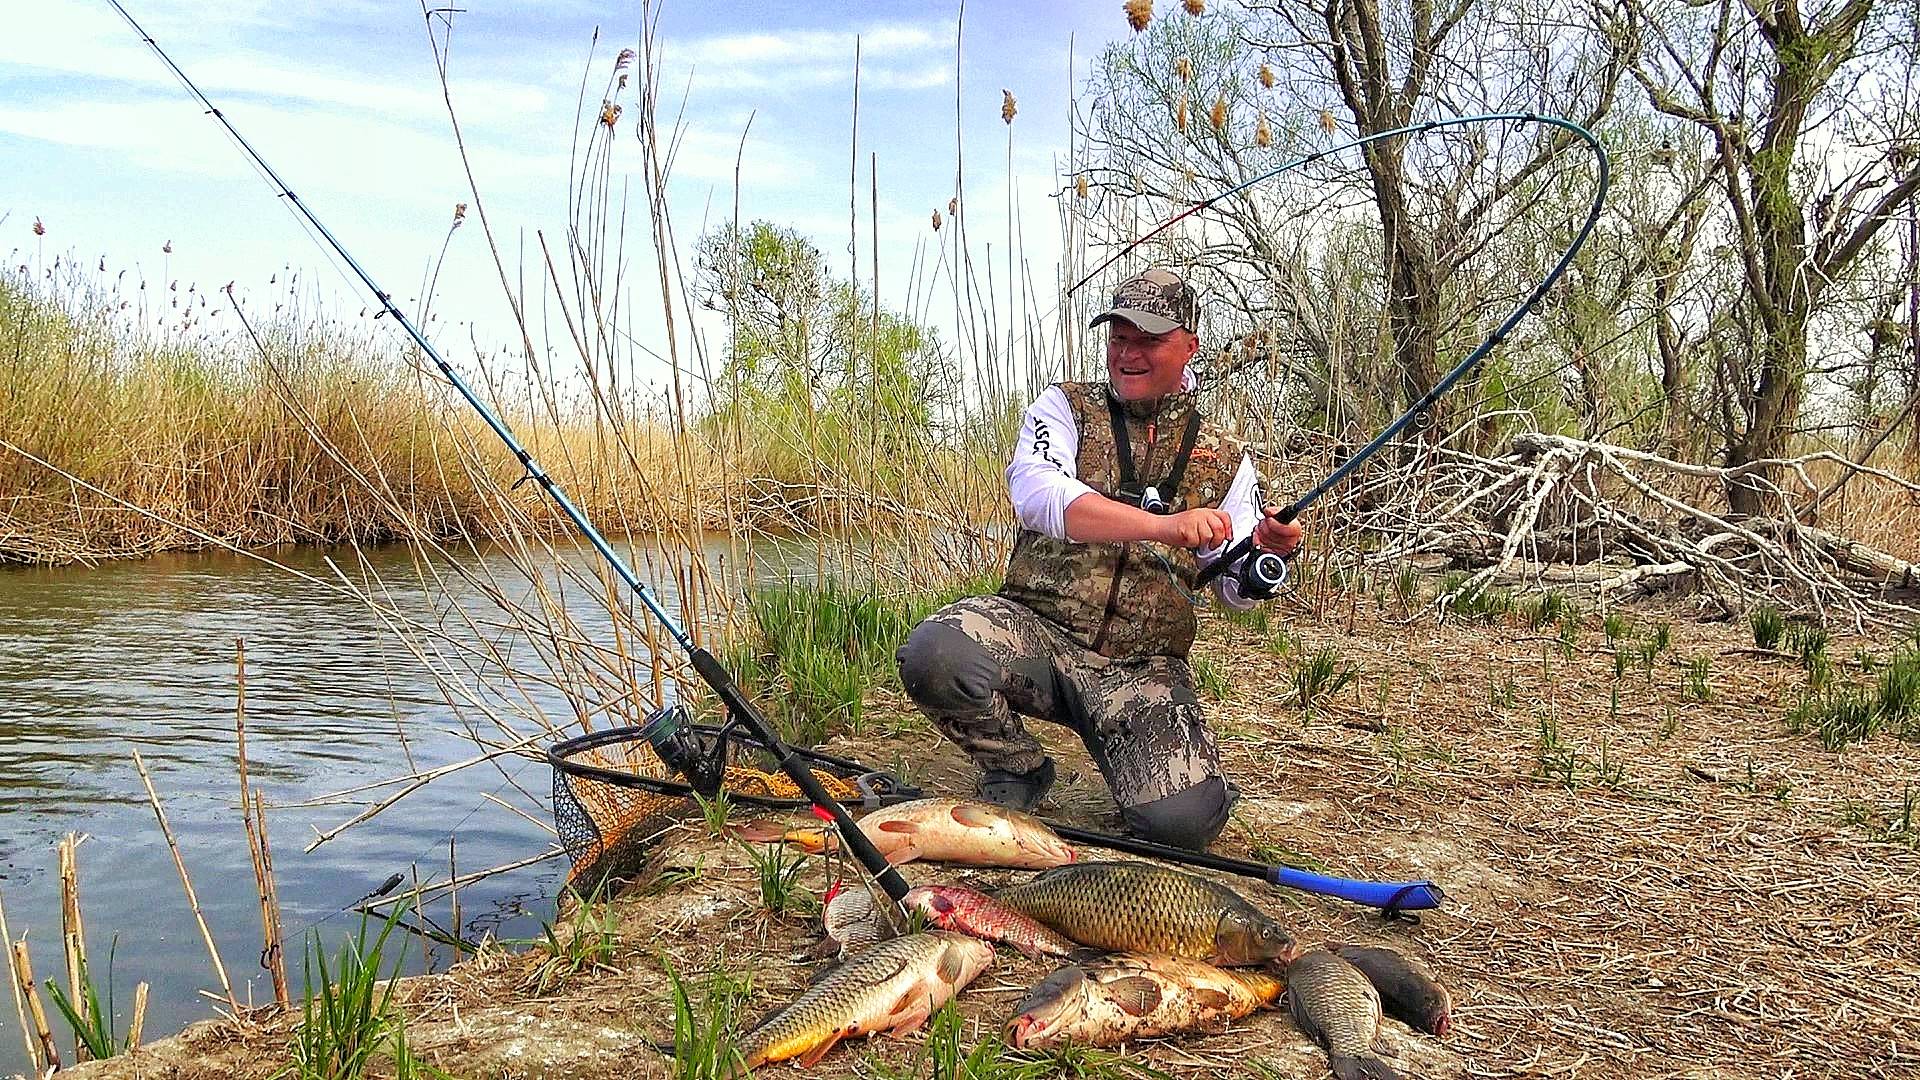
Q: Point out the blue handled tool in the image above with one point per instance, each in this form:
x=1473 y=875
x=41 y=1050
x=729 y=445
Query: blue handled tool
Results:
x=1391 y=897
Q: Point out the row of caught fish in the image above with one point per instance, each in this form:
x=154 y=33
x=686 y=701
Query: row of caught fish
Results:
x=1168 y=928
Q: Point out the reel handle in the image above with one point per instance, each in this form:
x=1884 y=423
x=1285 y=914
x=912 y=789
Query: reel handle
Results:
x=1234 y=554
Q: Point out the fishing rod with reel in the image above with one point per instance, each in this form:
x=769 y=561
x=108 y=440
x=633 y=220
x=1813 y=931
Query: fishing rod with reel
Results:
x=1264 y=572
x=673 y=738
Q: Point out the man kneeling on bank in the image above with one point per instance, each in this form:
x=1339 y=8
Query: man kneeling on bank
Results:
x=1124 y=493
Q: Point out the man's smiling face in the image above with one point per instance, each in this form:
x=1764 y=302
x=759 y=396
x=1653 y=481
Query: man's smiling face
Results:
x=1143 y=366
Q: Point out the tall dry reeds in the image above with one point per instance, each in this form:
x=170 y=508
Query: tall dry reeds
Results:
x=190 y=429
x=117 y=440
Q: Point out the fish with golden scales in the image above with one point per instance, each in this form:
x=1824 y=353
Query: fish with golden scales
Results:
x=1144 y=907
x=892 y=987
x=1409 y=992
x=970 y=911
x=938 y=830
x=1338 y=1008
x=1134 y=996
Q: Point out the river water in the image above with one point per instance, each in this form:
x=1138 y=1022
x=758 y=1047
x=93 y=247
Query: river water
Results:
x=98 y=662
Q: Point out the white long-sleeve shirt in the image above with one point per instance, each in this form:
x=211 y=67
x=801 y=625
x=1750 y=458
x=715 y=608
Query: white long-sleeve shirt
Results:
x=1043 y=480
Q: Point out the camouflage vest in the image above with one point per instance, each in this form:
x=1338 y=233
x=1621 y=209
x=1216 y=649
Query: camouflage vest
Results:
x=1126 y=601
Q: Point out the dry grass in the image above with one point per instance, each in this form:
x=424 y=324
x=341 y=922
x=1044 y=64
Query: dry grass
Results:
x=183 y=437
x=1711 y=896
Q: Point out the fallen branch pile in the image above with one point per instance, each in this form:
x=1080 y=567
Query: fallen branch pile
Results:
x=1616 y=522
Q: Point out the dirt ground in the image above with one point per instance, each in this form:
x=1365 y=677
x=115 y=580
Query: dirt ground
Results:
x=1695 y=891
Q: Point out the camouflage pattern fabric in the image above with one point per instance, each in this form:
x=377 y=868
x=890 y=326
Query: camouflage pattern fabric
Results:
x=1140 y=719
x=1125 y=601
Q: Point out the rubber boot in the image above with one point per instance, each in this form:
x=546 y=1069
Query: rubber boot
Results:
x=1017 y=791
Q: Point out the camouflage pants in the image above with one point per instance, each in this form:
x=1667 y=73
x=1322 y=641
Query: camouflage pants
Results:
x=976 y=666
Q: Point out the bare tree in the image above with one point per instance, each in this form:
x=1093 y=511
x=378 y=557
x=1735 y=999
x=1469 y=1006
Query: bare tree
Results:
x=1196 y=105
x=1816 y=146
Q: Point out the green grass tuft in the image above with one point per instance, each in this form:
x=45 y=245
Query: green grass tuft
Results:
x=819 y=647
x=1808 y=640
x=349 y=1020
x=779 y=877
x=1768 y=626
x=1697 y=688
x=91 y=1024
x=1320 y=676
x=1406 y=586
x=586 y=942
x=1481 y=603
x=1210 y=677
x=704 y=1045
x=1545 y=610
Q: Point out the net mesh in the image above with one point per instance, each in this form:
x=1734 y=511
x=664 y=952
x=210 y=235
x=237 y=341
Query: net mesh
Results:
x=608 y=829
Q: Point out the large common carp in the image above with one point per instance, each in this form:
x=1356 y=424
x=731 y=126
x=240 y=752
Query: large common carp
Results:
x=1338 y=1008
x=892 y=987
x=1408 y=991
x=1133 y=996
x=970 y=911
x=1141 y=907
x=940 y=830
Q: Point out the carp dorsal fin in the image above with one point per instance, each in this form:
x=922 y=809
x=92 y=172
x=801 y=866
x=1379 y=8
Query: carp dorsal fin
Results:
x=1136 y=995
x=974 y=816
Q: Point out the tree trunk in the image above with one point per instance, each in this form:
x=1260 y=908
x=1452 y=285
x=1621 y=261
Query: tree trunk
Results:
x=1776 y=410
x=1413 y=315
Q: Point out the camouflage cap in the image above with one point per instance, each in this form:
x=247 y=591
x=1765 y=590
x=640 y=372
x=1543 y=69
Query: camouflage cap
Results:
x=1156 y=301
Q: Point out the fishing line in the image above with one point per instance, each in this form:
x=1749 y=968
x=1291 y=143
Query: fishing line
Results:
x=665 y=733
x=1419 y=408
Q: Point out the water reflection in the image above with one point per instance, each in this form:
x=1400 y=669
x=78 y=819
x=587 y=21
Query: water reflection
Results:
x=95 y=662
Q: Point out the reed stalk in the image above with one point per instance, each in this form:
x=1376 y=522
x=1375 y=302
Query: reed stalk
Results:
x=186 y=882
x=14 y=983
x=453 y=891
x=276 y=957
x=73 y=939
x=23 y=981
x=253 y=817
x=138 y=1024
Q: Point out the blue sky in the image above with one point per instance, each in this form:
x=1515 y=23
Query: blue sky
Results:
x=106 y=149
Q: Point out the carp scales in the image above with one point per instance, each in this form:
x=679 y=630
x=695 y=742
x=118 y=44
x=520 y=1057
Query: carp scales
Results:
x=970 y=911
x=1408 y=991
x=1338 y=1008
x=1141 y=907
x=940 y=830
x=891 y=987
x=849 y=922
x=1132 y=996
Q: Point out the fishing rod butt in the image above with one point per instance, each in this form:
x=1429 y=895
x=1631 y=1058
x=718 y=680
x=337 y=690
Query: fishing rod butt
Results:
x=1390 y=897
x=717 y=678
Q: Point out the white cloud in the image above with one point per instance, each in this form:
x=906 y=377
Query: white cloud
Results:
x=87 y=54
x=708 y=154
x=904 y=57
x=809 y=46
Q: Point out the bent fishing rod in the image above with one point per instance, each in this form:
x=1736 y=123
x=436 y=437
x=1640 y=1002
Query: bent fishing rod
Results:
x=668 y=732
x=1287 y=514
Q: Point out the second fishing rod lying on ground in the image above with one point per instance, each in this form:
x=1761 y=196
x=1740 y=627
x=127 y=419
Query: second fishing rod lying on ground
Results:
x=703 y=755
